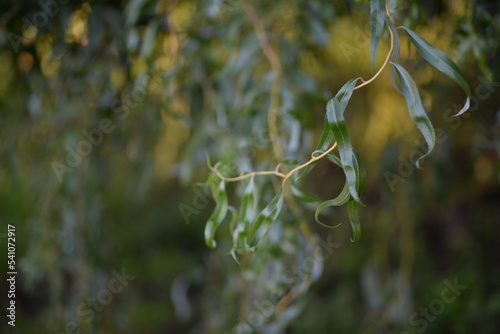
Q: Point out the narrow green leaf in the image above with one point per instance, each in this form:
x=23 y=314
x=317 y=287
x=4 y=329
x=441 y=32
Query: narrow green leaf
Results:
x=341 y=199
x=248 y=203
x=395 y=53
x=416 y=109
x=265 y=219
x=359 y=166
x=442 y=62
x=377 y=20
x=302 y=195
x=217 y=216
x=327 y=137
x=344 y=195
x=333 y=158
x=352 y=210
x=339 y=129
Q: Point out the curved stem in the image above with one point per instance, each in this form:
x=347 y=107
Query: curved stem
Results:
x=274 y=172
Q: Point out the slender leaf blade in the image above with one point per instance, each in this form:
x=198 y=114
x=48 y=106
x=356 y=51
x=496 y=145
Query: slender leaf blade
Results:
x=377 y=21
x=352 y=211
x=416 y=109
x=341 y=199
x=442 y=62
x=218 y=215
x=343 y=96
x=267 y=216
x=339 y=129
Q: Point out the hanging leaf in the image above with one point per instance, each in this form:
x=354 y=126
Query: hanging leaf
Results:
x=302 y=195
x=339 y=129
x=395 y=53
x=248 y=211
x=377 y=20
x=265 y=219
x=344 y=195
x=341 y=199
x=218 y=215
x=352 y=210
x=416 y=109
x=442 y=62
x=327 y=137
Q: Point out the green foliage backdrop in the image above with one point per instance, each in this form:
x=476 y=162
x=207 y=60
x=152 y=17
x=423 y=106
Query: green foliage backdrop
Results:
x=109 y=110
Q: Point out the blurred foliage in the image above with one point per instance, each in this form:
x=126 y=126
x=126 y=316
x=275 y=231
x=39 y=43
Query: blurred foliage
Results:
x=177 y=79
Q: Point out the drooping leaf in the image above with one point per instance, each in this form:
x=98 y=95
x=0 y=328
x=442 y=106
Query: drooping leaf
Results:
x=248 y=211
x=327 y=137
x=442 y=62
x=416 y=109
x=339 y=129
x=344 y=195
x=341 y=199
x=395 y=53
x=302 y=195
x=333 y=158
x=377 y=21
x=352 y=210
x=265 y=219
x=218 y=215
x=248 y=203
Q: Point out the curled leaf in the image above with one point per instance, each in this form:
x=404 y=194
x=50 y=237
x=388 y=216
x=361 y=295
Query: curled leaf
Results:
x=442 y=62
x=416 y=109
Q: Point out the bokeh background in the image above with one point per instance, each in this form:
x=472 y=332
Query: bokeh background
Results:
x=172 y=80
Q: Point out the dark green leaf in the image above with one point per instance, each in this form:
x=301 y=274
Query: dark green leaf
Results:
x=343 y=96
x=442 y=62
x=341 y=199
x=415 y=108
x=339 y=129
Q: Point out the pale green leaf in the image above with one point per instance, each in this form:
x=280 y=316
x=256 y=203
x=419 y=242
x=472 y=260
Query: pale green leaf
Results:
x=217 y=216
x=267 y=216
x=352 y=210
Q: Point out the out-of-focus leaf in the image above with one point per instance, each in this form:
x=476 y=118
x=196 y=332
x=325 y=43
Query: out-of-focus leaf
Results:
x=352 y=210
x=301 y=195
x=217 y=216
x=377 y=20
x=442 y=62
x=265 y=219
x=416 y=109
x=247 y=214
